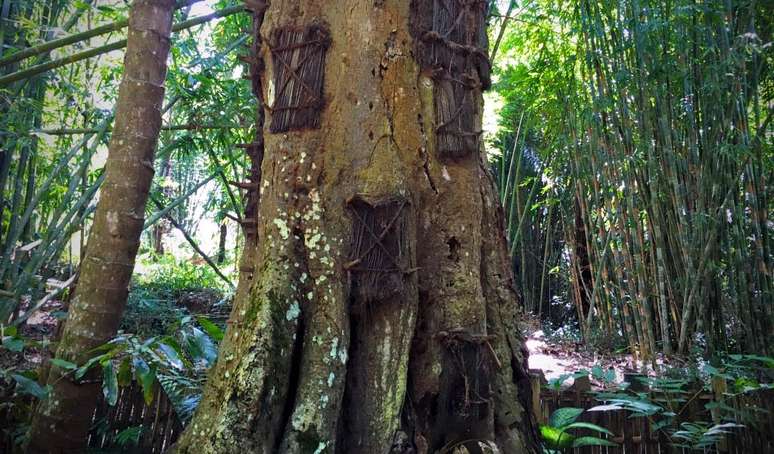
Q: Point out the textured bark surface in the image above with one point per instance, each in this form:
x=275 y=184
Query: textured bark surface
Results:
x=381 y=315
x=62 y=421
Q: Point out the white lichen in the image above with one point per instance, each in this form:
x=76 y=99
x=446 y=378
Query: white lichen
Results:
x=283 y=228
x=293 y=311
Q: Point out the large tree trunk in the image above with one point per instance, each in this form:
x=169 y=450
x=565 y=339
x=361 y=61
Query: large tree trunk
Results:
x=381 y=316
x=62 y=421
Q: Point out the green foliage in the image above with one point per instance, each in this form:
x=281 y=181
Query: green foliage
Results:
x=171 y=277
x=212 y=329
x=556 y=434
x=129 y=436
x=700 y=435
x=665 y=404
x=109 y=383
x=633 y=158
x=154 y=304
x=556 y=383
x=177 y=361
x=27 y=385
x=51 y=178
x=744 y=372
x=564 y=416
x=23 y=381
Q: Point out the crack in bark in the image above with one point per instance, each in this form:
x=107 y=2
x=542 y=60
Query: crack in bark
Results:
x=424 y=154
x=295 y=374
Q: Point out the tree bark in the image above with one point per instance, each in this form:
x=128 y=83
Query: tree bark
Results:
x=223 y=234
x=62 y=421
x=381 y=316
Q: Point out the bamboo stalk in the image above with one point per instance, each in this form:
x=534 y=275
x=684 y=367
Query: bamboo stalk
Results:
x=75 y=38
x=74 y=58
x=186 y=127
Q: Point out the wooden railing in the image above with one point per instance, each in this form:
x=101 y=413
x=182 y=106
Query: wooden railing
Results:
x=638 y=434
x=156 y=425
x=159 y=426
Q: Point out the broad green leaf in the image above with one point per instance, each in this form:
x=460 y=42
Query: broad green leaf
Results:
x=85 y=368
x=64 y=364
x=766 y=360
x=203 y=344
x=172 y=342
x=13 y=344
x=606 y=407
x=172 y=356
x=212 y=329
x=129 y=436
x=59 y=315
x=658 y=425
x=564 y=416
x=109 y=383
x=147 y=380
x=587 y=425
x=146 y=376
x=29 y=386
x=721 y=428
x=556 y=438
x=125 y=372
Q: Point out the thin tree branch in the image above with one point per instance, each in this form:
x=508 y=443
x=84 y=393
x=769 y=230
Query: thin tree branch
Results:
x=193 y=244
x=188 y=127
x=74 y=38
x=54 y=64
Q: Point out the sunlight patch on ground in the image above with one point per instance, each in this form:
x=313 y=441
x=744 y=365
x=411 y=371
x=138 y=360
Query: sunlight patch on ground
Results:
x=558 y=360
x=552 y=365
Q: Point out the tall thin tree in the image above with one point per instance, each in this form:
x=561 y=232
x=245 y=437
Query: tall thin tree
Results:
x=62 y=421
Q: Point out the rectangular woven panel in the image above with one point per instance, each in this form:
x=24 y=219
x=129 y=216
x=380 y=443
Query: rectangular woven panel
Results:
x=298 y=62
x=451 y=46
x=379 y=249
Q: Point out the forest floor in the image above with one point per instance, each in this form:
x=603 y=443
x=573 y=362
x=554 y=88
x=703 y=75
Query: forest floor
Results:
x=560 y=357
x=557 y=357
x=556 y=360
x=37 y=332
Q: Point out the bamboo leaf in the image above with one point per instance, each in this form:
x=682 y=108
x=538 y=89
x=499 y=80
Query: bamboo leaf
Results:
x=561 y=417
x=109 y=383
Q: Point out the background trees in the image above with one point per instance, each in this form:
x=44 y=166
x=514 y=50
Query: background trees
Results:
x=46 y=213
x=642 y=135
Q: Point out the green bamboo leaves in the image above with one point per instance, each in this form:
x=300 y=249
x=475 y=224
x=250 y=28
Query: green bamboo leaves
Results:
x=653 y=145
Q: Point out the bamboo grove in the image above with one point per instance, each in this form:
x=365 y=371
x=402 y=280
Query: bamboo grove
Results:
x=57 y=88
x=635 y=167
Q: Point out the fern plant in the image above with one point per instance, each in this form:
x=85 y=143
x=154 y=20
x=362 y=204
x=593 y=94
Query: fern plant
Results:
x=179 y=362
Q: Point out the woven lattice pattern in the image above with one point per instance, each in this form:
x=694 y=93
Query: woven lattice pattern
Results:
x=452 y=46
x=298 y=60
x=379 y=255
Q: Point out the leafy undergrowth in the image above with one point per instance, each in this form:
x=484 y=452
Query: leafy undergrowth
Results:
x=167 y=291
x=665 y=391
x=174 y=320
